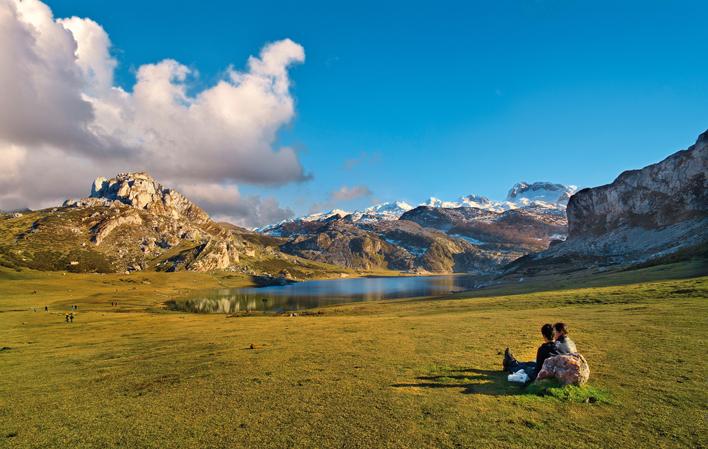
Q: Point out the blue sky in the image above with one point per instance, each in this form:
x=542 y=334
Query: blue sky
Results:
x=417 y=99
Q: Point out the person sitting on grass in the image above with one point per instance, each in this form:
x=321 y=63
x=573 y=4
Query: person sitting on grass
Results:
x=563 y=343
x=546 y=350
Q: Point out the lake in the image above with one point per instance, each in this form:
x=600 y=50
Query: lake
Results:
x=312 y=294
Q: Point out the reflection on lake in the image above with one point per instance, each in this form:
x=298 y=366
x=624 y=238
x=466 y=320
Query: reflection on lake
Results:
x=311 y=294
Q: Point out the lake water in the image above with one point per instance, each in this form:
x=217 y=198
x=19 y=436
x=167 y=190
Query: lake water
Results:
x=312 y=294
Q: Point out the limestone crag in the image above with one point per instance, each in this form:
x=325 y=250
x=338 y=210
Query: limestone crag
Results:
x=658 y=211
x=141 y=191
x=662 y=194
x=105 y=227
x=130 y=223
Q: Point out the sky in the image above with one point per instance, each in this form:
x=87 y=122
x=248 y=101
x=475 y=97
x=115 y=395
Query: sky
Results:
x=264 y=110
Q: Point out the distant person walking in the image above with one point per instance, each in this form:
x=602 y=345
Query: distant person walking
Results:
x=66 y=317
x=564 y=344
x=71 y=317
x=46 y=309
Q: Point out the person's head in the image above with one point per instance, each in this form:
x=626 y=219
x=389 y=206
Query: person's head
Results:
x=547 y=332
x=560 y=330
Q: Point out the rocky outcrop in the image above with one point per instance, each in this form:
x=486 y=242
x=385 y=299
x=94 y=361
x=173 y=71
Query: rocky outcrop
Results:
x=647 y=214
x=141 y=191
x=104 y=228
x=568 y=369
x=130 y=223
x=659 y=195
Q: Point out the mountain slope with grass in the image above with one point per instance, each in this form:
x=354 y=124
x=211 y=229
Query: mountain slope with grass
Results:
x=133 y=223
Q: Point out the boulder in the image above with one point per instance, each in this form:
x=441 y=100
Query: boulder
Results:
x=568 y=369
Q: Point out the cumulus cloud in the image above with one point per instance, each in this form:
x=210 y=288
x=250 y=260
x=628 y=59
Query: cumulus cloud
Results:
x=225 y=203
x=62 y=117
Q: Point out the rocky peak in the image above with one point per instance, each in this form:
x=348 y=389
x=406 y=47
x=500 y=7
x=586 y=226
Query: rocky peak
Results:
x=647 y=214
x=659 y=195
x=141 y=191
x=540 y=191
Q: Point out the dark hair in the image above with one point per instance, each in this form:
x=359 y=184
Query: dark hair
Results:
x=560 y=328
x=547 y=331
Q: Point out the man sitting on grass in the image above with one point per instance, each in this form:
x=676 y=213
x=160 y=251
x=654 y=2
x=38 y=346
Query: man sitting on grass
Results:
x=546 y=350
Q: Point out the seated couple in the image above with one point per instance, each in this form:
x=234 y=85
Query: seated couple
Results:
x=556 y=341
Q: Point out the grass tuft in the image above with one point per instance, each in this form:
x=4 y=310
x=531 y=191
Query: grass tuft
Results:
x=569 y=393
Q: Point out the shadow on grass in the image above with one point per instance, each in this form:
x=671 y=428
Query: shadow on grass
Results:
x=469 y=381
x=495 y=383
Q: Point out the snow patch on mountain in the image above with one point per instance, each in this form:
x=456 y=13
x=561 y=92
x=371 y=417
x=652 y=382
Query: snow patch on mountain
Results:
x=540 y=192
x=543 y=197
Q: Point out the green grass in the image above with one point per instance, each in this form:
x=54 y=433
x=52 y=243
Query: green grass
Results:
x=413 y=374
x=550 y=388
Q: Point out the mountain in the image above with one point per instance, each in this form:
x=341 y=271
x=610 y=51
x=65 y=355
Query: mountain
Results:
x=379 y=212
x=132 y=223
x=389 y=244
x=474 y=234
x=541 y=197
x=518 y=231
x=643 y=215
x=382 y=212
x=524 y=193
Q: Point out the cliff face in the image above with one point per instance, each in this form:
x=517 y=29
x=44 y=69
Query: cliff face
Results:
x=644 y=214
x=140 y=191
x=659 y=195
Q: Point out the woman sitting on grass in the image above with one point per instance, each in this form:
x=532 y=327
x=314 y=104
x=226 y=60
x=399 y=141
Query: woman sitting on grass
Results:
x=563 y=343
x=546 y=350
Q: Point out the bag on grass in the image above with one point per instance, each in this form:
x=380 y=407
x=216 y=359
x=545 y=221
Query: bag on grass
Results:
x=520 y=376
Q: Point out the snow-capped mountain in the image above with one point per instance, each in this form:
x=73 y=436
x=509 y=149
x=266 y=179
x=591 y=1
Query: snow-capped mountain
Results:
x=543 y=197
x=275 y=228
x=385 y=211
x=437 y=202
x=539 y=195
x=379 y=212
x=546 y=192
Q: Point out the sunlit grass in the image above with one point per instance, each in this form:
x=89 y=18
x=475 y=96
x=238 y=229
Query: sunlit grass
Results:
x=381 y=374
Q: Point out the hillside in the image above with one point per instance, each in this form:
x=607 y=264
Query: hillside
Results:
x=133 y=223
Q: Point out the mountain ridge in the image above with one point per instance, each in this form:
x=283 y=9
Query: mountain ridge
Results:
x=643 y=215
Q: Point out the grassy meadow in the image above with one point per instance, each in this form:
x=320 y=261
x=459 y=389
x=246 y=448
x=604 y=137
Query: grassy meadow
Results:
x=403 y=374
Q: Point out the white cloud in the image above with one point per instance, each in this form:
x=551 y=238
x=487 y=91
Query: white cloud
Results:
x=225 y=203
x=341 y=195
x=345 y=193
x=63 y=122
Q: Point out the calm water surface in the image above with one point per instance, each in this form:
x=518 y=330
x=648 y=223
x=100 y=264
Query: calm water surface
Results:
x=311 y=294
